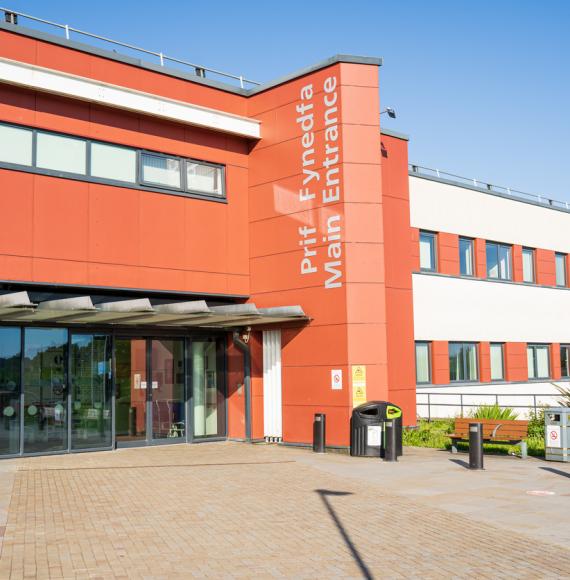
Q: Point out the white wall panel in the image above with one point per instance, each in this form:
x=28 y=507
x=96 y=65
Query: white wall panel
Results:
x=458 y=210
x=272 y=408
x=448 y=308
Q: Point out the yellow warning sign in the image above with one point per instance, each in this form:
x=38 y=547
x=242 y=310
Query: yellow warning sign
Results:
x=358 y=385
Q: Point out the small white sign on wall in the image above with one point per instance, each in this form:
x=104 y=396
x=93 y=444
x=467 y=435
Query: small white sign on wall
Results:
x=553 y=436
x=336 y=379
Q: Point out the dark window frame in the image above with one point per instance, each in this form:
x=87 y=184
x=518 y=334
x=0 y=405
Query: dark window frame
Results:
x=139 y=184
x=464 y=361
x=565 y=273
x=499 y=245
x=428 y=344
x=535 y=347
x=472 y=245
x=565 y=347
x=533 y=253
x=502 y=345
x=433 y=236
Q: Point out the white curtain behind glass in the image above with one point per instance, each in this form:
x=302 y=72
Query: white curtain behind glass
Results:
x=528 y=266
x=161 y=170
x=204 y=178
x=426 y=253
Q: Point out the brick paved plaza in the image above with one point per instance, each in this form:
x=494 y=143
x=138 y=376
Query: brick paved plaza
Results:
x=236 y=510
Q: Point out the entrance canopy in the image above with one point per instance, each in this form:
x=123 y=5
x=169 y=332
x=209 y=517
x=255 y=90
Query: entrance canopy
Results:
x=17 y=307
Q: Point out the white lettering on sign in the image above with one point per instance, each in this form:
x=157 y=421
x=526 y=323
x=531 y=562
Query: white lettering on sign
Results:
x=336 y=379
x=553 y=436
x=331 y=191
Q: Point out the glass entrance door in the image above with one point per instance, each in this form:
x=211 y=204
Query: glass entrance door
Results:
x=45 y=390
x=167 y=390
x=131 y=390
x=150 y=400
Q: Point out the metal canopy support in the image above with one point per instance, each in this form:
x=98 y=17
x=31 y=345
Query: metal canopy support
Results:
x=14 y=304
x=17 y=306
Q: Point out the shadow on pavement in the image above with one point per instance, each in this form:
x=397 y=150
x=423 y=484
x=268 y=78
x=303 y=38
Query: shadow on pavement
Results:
x=460 y=462
x=556 y=471
x=325 y=494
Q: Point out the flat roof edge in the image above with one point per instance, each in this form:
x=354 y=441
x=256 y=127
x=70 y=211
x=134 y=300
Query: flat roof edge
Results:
x=487 y=191
x=337 y=58
x=394 y=134
x=212 y=83
x=123 y=58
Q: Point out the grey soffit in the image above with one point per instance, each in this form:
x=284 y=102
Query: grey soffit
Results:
x=17 y=307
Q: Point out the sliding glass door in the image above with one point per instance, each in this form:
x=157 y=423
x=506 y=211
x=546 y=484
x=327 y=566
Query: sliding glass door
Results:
x=10 y=350
x=45 y=390
x=91 y=390
x=208 y=388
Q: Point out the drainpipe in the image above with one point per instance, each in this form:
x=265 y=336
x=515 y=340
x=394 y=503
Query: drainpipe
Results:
x=244 y=348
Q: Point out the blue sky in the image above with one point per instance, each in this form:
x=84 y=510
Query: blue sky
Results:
x=481 y=87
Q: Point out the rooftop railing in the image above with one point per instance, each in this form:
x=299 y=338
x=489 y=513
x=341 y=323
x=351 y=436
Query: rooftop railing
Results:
x=507 y=191
x=12 y=16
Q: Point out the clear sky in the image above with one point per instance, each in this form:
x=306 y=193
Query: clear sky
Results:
x=482 y=87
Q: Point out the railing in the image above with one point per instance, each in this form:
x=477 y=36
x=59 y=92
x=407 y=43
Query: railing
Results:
x=514 y=193
x=199 y=70
x=470 y=401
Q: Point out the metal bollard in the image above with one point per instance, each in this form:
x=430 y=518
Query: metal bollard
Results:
x=319 y=433
x=390 y=451
x=475 y=446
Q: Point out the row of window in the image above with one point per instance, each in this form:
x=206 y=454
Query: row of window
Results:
x=499 y=259
x=463 y=361
x=53 y=152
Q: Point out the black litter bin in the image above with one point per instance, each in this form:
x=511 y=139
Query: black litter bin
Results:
x=367 y=428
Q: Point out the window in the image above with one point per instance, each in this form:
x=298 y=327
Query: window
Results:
x=528 y=265
x=466 y=256
x=161 y=170
x=15 y=145
x=423 y=368
x=427 y=251
x=560 y=269
x=61 y=153
x=498 y=261
x=462 y=361
x=565 y=360
x=497 y=365
x=45 y=152
x=207 y=178
x=537 y=357
x=117 y=163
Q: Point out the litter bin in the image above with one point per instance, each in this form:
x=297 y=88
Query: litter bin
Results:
x=367 y=428
x=557 y=434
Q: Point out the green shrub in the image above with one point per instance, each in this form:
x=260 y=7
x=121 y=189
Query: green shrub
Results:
x=429 y=434
x=494 y=412
x=536 y=424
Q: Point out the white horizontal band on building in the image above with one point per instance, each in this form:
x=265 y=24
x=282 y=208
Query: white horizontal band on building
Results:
x=76 y=87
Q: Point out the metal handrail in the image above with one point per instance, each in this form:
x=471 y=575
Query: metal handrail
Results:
x=200 y=70
x=462 y=404
x=508 y=191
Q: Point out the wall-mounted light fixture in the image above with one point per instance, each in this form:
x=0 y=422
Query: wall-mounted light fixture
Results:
x=391 y=112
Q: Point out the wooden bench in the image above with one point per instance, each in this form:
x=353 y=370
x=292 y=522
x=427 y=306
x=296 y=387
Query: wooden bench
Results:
x=494 y=431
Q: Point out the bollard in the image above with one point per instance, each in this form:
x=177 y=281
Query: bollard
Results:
x=390 y=451
x=319 y=433
x=475 y=446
